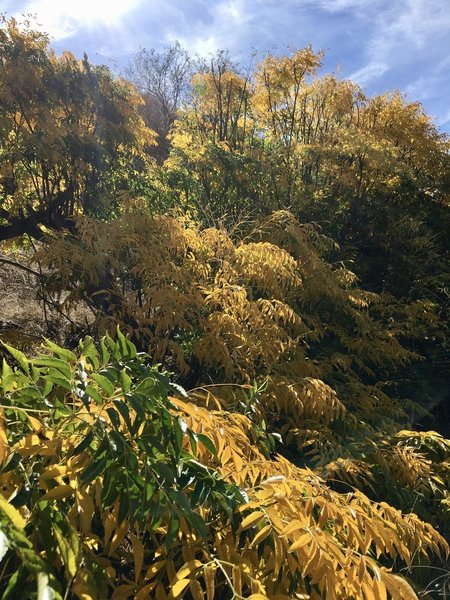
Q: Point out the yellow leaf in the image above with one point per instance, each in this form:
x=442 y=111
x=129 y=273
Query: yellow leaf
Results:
x=294 y=526
x=109 y=523
x=189 y=567
x=210 y=576
x=155 y=568
x=61 y=491
x=301 y=541
x=144 y=593
x=12 y=513
x=252 y=519
x=237 y=579
x=118 y=536
x=379 y=590
x=244 y=507
x=4 y=446
x=35 y=424
x=85 y=510
x=196 y=590
x=138 y=552
x=312 y=561
x=123 y=592
x=178 y=588
x=160 y=592
x=368 y=592
x=67 y=552
x=32 y=445
x=53 y=472
x=258 y=597
x=261 y=535
x=225 y=456
x=398 y=587
x=83 y=591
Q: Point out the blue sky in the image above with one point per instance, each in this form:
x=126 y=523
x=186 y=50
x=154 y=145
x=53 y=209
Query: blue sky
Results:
x=381 y=44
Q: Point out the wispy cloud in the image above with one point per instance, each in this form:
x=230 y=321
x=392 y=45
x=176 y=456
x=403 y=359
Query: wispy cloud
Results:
x=369 y=72
x=400 y=32
x=65 y=18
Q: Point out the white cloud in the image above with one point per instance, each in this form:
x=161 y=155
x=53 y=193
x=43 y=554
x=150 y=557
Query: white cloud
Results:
x=226 y=19
x=341 y=5
x=64 y=18
x=371 y=71
x=204 y=46
x=401 y=30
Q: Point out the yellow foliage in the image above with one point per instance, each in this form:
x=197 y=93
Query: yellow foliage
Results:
x=287 y=533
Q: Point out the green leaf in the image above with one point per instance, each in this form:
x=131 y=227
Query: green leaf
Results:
x=172 y=529
x=31 y=392
x=178 y=389
x=177 y=439
x=48 y=386
x=123 y=343
x=95 y=469
x=146 y=386
x=19 y=357
x=197 y=523
x=104 y=383
x=114 y=417
x=59 y=381
x=164 y=472
x=85 y=443
x=62 y=353
x=132 y=350
x=6 y=370
x=94 y=394
x=66 y=552
x=54 y=363
x=15 y=580
x=207 y=443
x=89 y=350
x=137 y=404
x=125 y=413
x=35 y=373
x=125 y=380
x=200 y=494
x=149 y=490
x=192 y=440
x=105 y=355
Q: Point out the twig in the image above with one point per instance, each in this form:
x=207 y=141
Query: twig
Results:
x=19 y=266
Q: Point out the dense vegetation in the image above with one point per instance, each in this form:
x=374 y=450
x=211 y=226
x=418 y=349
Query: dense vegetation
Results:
x=276 y=243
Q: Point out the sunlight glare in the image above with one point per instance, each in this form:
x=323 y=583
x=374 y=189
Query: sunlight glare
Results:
x=68 y=16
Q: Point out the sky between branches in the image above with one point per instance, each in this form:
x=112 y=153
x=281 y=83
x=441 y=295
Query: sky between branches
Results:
x=380 y=44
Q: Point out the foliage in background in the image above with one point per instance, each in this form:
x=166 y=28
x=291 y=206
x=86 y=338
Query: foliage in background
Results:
x=269 y=311
x=373 y=172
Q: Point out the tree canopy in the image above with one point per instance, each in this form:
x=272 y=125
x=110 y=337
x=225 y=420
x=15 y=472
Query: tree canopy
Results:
x=71 y=136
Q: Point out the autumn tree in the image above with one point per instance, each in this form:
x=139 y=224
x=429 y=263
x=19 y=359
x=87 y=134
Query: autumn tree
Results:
x=373 y=171
x=212 y=147
x=162 y=78
x=70 y=135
